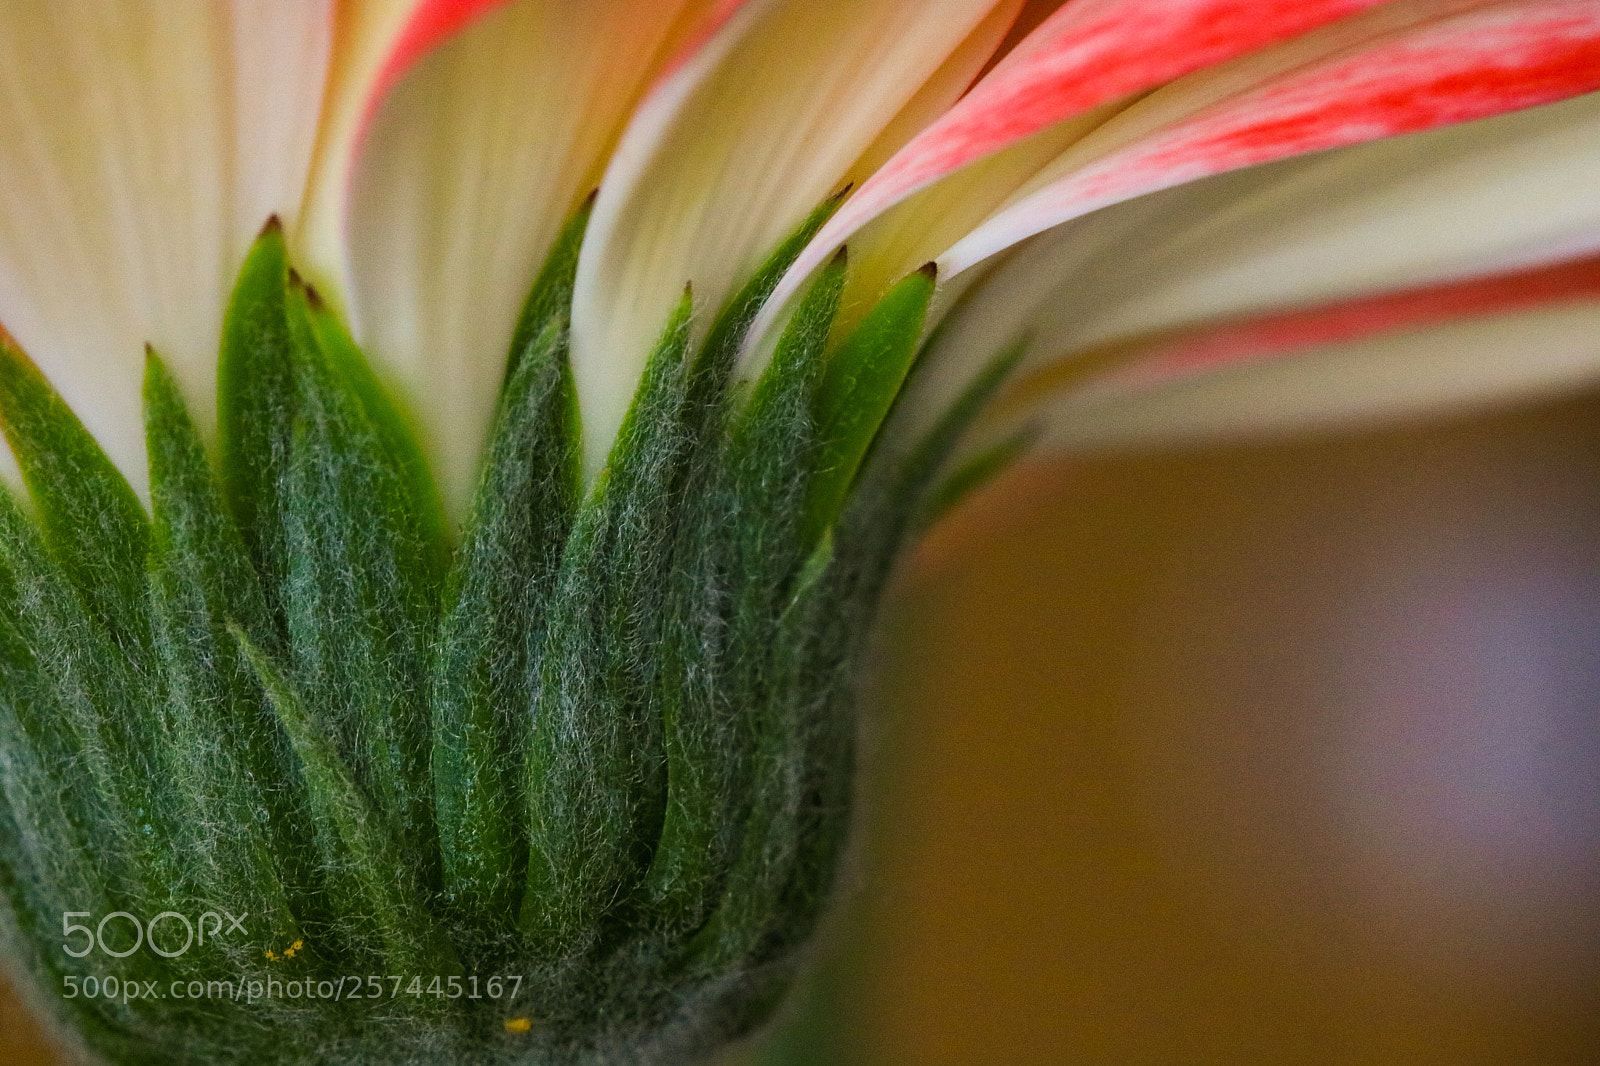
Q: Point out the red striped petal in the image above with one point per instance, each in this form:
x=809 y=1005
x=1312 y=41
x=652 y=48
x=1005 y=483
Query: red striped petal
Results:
x=431 y=23
x=1504 y=58
x=1274 y=336
x=721 y=11
x=1522 y=350
x=1088 y=53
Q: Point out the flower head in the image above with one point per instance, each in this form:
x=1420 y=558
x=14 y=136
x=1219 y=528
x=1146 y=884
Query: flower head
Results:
x=464 y=666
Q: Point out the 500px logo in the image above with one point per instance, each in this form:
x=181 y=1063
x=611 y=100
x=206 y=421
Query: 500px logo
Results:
x=93 y=987
x=125 y=927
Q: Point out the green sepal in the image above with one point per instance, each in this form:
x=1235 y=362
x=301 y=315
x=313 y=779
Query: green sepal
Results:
x=424 y=506
x=362 y=585
x=864 y=376
x=92 y=520
x=61 y=725
x=495 y=604
x=40 y=866
x=255 y=406
x=551 y=295
x=87 y=626
x=918 y=468
x=815 y=568
x=230 y=843
x=192 y=529
x=50 y=810
x=691 y=705
x=776 y=431
x=95 y=717
x=803 y=765
x=714 y=363
x=746 y=539
x=81 y=606
x=973 y=474
x=368 y=874
x=596 y=774
x=753 y=918
x=892 y=493
x=63 y=844
x=823 y=641
x=928 y=457
x=245 y=812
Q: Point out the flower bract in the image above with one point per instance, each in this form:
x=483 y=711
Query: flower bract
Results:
x=460 y=446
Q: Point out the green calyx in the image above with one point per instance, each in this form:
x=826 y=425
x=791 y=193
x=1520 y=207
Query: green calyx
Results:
x=583 y=771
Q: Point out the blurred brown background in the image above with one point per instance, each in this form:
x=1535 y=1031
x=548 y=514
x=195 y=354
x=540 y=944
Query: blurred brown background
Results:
x=1278 y=754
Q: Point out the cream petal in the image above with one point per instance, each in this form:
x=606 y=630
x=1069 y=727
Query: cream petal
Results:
x=727 y=156
x=1459 y=366
x=470 y=166
x=1081 y=64
x=942 y=89
x=1156 y=361
x=375 y=43
x=1462 y=202
x=142 y=145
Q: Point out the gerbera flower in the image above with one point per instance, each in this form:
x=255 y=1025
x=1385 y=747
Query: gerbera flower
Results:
x=434 y=704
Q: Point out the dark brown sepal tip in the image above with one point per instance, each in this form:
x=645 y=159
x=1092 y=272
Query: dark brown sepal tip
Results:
x=306 y=289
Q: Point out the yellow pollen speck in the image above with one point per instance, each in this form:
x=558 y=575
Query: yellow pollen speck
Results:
x=288 y=952
x=518 y=1025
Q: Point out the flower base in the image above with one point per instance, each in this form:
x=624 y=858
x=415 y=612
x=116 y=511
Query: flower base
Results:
x=291 y=778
